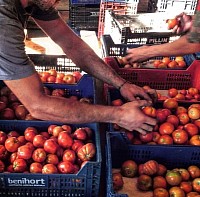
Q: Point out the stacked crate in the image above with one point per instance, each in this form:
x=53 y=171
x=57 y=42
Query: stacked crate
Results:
x=84 y=15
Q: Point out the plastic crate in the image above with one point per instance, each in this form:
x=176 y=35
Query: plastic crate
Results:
x=161 y=79
x=59 y=62
x=118 y=7
x=109 y=48
x=136 y=29
x=85 y=183
x=177 y=6
x=84 y=16
x=119 y=149
x=85 y=2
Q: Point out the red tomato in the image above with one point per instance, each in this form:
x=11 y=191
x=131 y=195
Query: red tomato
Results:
x=183 y=118
x=159 y=182
x=67 y=128
x=172 y=92
x=193 y=194
x=53 y=72
x=80 y=134
x=150 y=167
x=191 y=129
x=3 y=152
x=149 y=111
x=52 y=158
x=3 y=137
x=69 y=79
x=184 y=173
x=181 y=64
x=65 y=140
x=160 y=192
x=179 y=97
x=22 y=140
x=49 y=169
x=35 y=167
x=39 y=155
x=173 y=119
x=129 y=168
x=172 y=64
x=165 y=139
x=156 y=136
x=170 y=103
x=66 y=167
x=194 y=171
x=24 y=152
x=194 y=113
x=13 y=134
x=13 y=157
x=186 y=186
x=193 y=91
x=30 y=133
x=69 y=155
x=50 y=146
x=19 y=165
x=195 y=140
x=180 y=136
x=166 y=60
x=76 y=145
x=173 y=177
x=2 y=166
x=161 y=169
x=12 y=144
x=38 y=141
x=148 y=137
x=180 y=109
x=160 y=116
x=86 y=152
x=156 y=63
x=57 y=130
x=144 y=182
x=117 y=180
x=176 y=192
x=45 y=134
x=166 y=128
x=50 y=129
x=196 y=184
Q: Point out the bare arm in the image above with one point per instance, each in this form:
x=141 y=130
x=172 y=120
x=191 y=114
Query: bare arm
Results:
x=64 y=110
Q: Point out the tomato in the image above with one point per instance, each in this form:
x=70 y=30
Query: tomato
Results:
x=159 y=182
x=148 y=137
x=76 y=145
x=60 y=75
x=144 y=182
x=52 y=158
x=66 y=167
x=156 y=136
x=173 y=177
x=172 y=23
x=59 y=152
x=13 y=157
x=117 y=181
x=194 y=113
x=87 y=152
x=3 y=152
x=51 y=79
x=80 y=134
x=150 y=167
x=117 y=102
x=197 y=123
x=38 y=141
x=67 y=128
x=30 y=133
x=170 y=103
x=172 y=92
x=195 y=140
x=19 y=165
x=57 y=130
x=194 y=171
x=50 y=129
x=166 y=60
x=35 y=167
x=160 y=192
x=181 y=64
x=176 y=192
x=173 y=119
x=149 y=111
x=165 y=139
x=129 y=168
x=161 y=169
x=2 y=166
x=69 y=155
x=39 y=155
x=3 y=137
x=162 y=65
x=12 y=144
x=65 y=140
x=184 y=174
x=196 y=184
x=192 y=194
x=191 y=129
x=186 y=186
x=24 y=152
x=45 y=134
x=172 y=64
x=156 y=63
x=49 y=169
x=22 y=140
x=69 y=79
x=166 y=128
x=180 y=109
x=179 y=97
x=160 y=116
x=183 y=118
x=13 y=134
x=50 y=146
x=180 y=136
x=193 y=91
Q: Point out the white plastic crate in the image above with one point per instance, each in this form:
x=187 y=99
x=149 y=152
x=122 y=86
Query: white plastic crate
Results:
x=177 y=6
x=121 y=27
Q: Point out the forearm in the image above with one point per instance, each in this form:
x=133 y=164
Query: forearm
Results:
x=176 y=48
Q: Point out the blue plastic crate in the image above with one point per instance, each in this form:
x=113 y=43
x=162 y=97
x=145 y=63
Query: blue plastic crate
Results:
x=119 y=149
x=85 y=183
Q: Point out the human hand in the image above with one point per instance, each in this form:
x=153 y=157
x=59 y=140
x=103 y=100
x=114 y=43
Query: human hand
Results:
x=139 y=54
x=132 y=92
x=132 y=118
x=184 y=25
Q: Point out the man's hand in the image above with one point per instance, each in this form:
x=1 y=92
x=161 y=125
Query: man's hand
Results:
x=132 y=92
x=132 y=117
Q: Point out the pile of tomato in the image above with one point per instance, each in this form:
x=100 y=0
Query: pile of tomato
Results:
x=155 y=177
x=60 y=149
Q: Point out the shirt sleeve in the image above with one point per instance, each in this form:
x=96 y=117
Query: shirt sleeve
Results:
x=48 y=15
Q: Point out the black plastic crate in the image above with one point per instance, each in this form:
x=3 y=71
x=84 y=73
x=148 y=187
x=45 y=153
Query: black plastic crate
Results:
x=58 y=62
x=84 y=16
x=85 y=183
x=119 y=149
